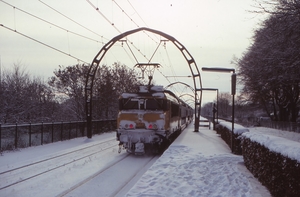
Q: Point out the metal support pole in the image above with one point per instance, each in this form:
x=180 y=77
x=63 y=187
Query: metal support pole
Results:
x=232 y=131
x=217 y=105
x=197 y=119
x=233 y=90
x=214 y=116
x=0 y=135
x=89 y=126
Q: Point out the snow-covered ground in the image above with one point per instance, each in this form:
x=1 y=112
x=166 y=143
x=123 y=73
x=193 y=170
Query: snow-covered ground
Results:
x=196 y=164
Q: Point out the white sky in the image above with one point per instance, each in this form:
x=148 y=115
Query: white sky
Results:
x=212 y=31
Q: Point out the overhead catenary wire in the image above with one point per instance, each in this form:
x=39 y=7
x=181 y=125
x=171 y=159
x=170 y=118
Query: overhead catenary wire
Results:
x=138 y=26
x=68 y=31
x=143 y=31
x=137 y=13
x=169 y=60
x=97 y=9
x=72 y=20
x=125 y=13
x=77 y=34
x=141 y=19
x=111 y=23
x=42 y=43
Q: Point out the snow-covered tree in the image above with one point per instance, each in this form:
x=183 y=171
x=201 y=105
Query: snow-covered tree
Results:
x=270 y=68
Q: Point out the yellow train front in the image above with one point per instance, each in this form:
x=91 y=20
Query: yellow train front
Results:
x=150 y=119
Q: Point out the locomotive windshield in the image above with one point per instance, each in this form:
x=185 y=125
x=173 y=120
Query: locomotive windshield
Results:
x=142 y=104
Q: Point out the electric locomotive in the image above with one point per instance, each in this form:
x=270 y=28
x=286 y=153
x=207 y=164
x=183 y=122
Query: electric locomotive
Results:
x=149 y=119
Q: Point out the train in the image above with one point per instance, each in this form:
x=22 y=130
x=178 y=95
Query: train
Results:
x=150 y=119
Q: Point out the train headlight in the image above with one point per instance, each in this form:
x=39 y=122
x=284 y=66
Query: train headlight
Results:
x=129 y=126
x=152 y=126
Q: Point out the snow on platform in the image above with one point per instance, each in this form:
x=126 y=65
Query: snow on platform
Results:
x=198 y=164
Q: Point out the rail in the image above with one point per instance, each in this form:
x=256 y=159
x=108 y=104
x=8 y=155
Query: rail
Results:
x=14 y=136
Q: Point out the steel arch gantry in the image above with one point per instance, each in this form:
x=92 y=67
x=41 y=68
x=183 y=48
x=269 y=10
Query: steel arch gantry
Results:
x=182 y=83
x=96 y=62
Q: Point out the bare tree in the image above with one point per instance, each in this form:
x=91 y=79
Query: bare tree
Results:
x=24 y=98
x=109 y=83
x=68 y=84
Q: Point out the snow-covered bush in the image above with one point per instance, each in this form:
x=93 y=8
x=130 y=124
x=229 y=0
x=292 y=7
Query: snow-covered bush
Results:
x=275 y=161
x=225 y=130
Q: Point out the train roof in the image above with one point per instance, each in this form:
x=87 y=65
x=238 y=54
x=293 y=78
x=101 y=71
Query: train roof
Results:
x=151 y=91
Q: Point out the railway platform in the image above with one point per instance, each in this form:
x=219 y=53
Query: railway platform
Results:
x=198 y=164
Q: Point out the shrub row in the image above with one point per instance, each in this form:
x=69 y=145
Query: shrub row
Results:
x=274 y=169
x=234 y=142
x=280 y=174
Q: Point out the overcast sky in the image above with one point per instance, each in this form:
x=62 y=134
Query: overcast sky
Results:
x=213 y=31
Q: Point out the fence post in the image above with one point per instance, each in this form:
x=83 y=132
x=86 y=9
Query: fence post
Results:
x=70 y=130
x=61 y=130
x=52 y=133
x=16 y=136
x=42 y=133
x=76 y=128
x=97 y=127
x=30 y=134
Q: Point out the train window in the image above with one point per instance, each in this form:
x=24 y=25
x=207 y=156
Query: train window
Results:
x=174 y=110
x=128 y=104
x=147 y=104
x=156 y=104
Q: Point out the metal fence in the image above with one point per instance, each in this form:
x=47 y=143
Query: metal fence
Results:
x=33 y=134
x=266 y=122
x=285 y=126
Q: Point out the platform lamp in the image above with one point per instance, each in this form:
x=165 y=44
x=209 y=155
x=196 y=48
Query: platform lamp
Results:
x=233 y=91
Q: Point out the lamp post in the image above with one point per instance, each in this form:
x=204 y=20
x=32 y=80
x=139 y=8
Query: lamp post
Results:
x=233 y=91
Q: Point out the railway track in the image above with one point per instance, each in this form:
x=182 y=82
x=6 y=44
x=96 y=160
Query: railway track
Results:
x=76 y=172
x=113 y=188
x=12 y=177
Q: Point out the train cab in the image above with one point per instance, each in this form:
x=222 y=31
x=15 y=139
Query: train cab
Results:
x=147 y=119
